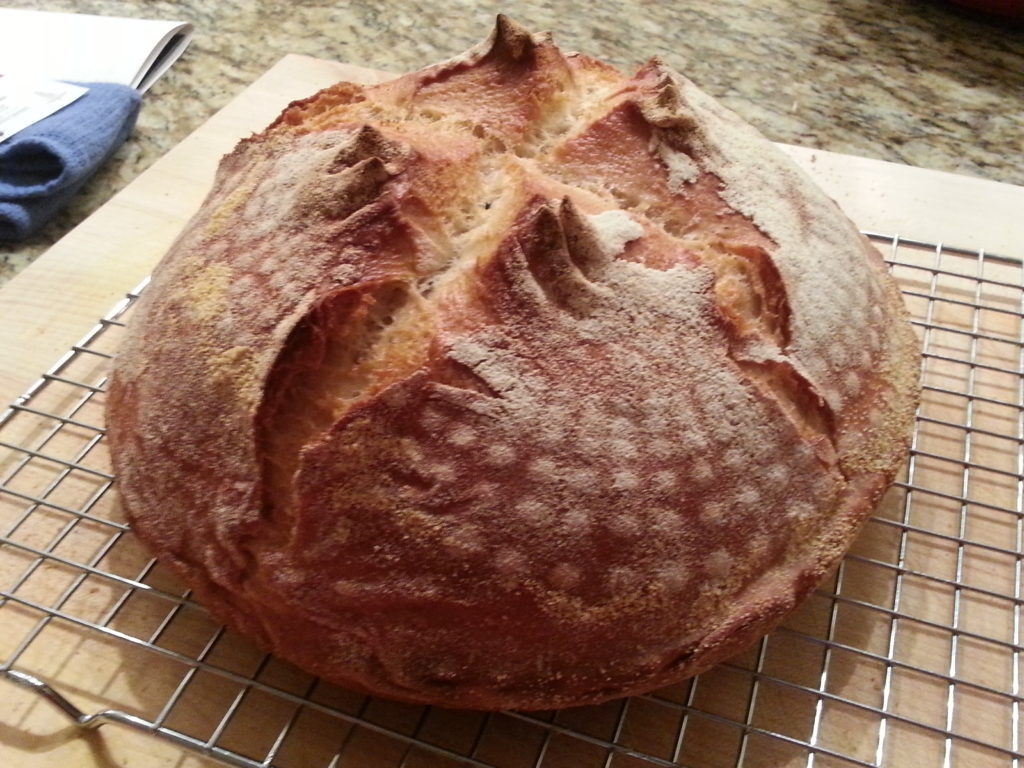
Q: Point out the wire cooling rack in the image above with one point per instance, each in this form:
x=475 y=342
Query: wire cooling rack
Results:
x=909 y=654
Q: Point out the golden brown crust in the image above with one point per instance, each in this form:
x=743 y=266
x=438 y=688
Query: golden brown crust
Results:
x=513 y=382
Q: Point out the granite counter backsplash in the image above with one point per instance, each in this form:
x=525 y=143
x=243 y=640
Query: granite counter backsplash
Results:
x=912 y=81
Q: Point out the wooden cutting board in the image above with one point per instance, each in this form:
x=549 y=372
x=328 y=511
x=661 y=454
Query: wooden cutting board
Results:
x=55 y=300
x=48 y=307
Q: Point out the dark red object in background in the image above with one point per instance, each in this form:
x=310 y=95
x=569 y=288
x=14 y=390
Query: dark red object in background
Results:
x=1010 y=8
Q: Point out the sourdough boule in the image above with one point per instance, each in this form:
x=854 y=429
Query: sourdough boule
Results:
x=514 y=382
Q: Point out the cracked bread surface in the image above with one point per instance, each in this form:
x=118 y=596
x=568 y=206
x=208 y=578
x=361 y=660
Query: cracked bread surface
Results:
x=514 y=382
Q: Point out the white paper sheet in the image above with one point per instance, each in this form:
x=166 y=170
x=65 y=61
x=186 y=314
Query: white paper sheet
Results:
x=84 y=48
x=27 y=100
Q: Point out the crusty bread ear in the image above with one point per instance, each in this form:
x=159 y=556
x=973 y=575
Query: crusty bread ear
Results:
x=512 y=382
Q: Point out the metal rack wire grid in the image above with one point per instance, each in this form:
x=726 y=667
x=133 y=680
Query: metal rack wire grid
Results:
x=908 y=654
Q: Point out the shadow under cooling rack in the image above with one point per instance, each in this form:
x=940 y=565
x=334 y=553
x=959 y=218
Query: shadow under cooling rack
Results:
x=908 y=654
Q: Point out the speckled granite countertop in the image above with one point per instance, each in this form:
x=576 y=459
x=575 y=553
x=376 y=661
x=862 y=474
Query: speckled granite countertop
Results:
x=911 y=81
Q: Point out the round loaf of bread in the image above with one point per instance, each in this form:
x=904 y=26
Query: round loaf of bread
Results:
x=514 y=382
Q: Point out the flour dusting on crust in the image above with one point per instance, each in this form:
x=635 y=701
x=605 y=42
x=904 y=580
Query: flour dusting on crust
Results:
x=512 y=382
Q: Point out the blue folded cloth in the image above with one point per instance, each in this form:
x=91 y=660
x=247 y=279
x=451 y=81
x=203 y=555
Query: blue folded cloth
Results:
x=43 y=166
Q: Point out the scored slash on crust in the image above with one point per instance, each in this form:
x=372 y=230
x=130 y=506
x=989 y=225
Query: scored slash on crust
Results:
x=561 y=252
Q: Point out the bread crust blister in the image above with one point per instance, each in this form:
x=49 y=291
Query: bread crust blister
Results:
x=514 y=382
